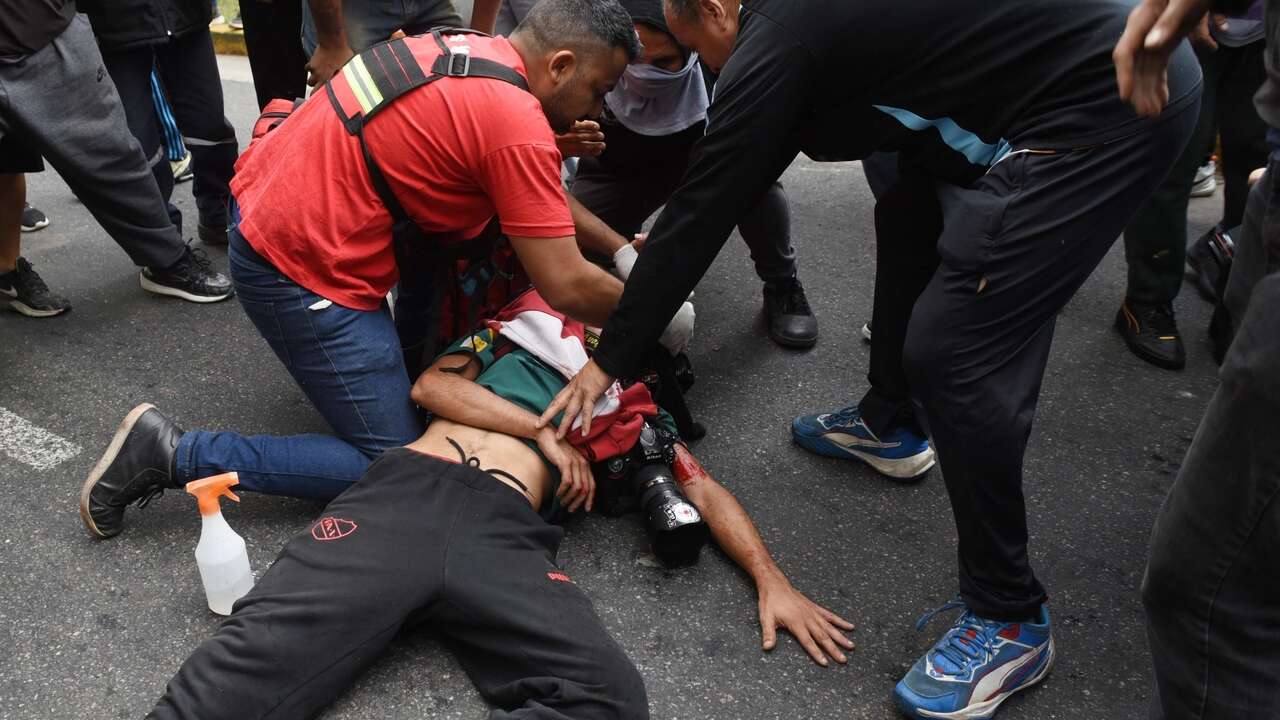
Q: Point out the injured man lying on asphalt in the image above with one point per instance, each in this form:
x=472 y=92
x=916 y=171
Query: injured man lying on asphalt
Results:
x=453 y=532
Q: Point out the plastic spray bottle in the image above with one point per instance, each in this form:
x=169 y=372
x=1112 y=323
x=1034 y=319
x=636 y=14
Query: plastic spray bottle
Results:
x=220 y=555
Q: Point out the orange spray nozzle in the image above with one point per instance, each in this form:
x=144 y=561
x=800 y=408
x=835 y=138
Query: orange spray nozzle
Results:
x=209 y=490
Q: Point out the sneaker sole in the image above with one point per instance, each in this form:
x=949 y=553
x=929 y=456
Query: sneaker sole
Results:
x=29 y=311
x=37 y=227
x=117 y=442
x=906 y=469
x=866 y=332
x=794 y=343
x=986 y=710
x=154 y=287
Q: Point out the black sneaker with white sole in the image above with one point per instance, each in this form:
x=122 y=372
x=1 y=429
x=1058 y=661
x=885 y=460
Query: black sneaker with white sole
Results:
x=33 y=219
x=26 y=292
x=191 y=278
x=137 y=466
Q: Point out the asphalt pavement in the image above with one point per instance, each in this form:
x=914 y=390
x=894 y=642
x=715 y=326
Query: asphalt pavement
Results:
x=95 y=628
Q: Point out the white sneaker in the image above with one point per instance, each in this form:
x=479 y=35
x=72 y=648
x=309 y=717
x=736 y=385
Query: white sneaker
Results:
x=182 y=169
x=1205 y=182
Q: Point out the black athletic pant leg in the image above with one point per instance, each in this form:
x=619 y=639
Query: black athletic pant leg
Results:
x=189 y=70
x=637 y=173
x=1015 y=247
x=622 y=200
x=525 y=633
x=1242 y=131
x=131 y=72
x=328 y=606
x=908 y=222
x=273 y=39
x=376 y=561
x=1156 y=238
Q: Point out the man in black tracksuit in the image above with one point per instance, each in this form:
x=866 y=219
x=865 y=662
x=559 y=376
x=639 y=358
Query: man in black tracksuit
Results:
x=1019 y=166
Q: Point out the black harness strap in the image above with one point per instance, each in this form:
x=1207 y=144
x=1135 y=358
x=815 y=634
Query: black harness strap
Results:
x=394 y=71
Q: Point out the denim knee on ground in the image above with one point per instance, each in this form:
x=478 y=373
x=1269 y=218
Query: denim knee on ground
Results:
x=348 y=362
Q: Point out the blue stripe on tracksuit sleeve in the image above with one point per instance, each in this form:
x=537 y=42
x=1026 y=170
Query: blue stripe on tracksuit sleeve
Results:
x=168 y=126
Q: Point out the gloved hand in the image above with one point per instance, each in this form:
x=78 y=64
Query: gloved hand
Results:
x=679 y=331
x=623 y=260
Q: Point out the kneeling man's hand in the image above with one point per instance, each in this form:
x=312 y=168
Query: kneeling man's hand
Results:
x=817 y=629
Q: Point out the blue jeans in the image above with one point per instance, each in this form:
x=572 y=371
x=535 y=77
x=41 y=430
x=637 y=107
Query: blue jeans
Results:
x=349 y=364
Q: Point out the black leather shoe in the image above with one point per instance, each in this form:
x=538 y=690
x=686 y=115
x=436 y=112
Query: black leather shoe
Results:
x=1152 y=334
x=786 y=311
x=137 y=466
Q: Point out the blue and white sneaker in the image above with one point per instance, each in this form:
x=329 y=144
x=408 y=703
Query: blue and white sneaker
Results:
x=975 y=666
x=901 y=454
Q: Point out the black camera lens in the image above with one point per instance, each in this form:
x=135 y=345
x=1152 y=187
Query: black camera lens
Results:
x=676 y=529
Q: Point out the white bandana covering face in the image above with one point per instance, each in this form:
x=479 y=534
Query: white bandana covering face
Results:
x=651 y=101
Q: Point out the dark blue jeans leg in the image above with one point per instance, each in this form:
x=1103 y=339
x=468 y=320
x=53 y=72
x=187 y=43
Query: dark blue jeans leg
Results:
x=348 y=363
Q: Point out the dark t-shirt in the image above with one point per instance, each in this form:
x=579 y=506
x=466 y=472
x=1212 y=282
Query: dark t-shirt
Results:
x=952 y=85
x=28 y=25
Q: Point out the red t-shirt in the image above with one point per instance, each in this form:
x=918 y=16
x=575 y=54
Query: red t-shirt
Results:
x=455 y=152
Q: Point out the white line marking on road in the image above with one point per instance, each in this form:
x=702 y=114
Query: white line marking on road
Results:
x=33 y=445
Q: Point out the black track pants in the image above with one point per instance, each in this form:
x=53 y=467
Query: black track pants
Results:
x=417 y=541
x=969 y=281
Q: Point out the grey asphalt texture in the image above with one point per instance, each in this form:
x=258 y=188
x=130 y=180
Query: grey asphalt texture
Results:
x=96 y=628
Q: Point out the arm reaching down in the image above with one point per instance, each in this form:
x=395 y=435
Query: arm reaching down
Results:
x=566 y=280
x=332 y=48
x=484 y=15
x=582 y=290
x=818 y=630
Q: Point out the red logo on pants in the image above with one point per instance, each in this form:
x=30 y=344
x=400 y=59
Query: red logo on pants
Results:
x=332 y=528
x=559 y=577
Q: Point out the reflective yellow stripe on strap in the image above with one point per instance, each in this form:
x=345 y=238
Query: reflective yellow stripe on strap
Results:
x=362 y=85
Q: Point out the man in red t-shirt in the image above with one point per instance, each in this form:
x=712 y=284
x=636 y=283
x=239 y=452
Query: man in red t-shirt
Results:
x=312 y=257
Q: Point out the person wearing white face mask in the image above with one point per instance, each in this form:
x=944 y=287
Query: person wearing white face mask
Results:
x=653 y=116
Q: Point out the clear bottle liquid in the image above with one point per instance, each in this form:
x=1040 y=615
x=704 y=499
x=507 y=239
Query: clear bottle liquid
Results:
x=220 y=554
x=224 y=564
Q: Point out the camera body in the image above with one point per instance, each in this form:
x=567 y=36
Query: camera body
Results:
x=643 y=480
